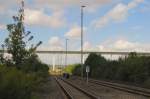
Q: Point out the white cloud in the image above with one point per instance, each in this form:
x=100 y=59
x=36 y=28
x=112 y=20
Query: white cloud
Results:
x=117 y=45
x=6 y=4
x=38 y=17
x=134 y=3
x=100 y=47
x=59 y=4
x=54 y=43
x=75 y=32
x=110 y=45
x=119 y=13
x=87 y=46
x=2 y=27
x=123 y=45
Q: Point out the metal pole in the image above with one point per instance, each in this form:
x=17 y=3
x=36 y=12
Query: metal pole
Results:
x=87 y=80
x=66 y=52
x=82 y=40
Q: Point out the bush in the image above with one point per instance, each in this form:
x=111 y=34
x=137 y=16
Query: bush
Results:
x=69 y=69
x=15 y=84
x=133 y=69
x=77 y=70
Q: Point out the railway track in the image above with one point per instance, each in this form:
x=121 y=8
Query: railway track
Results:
x=74 y=92
x=138 y=91
x=121 y=87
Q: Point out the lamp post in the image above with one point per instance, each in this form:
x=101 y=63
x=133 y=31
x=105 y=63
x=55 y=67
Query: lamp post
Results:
x=82 y=7
x=66 y=51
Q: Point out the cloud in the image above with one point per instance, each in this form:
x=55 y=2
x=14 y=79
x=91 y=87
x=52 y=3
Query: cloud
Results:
x=134 y=3
x=87 y=46
x=54 y=43
x=59 y=4
x=119 y=13
x=38 y=17
x=2 y=27
x=74 y=32
x=117 y=45
x=6 y=4
x=123 y=45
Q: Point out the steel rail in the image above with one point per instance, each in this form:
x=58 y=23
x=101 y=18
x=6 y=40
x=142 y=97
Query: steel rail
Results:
x=68 y=95
x=121 y=87
x=138 y=91
x=82 y=90
x=77 y=88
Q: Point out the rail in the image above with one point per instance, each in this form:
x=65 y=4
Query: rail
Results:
x=91 y=96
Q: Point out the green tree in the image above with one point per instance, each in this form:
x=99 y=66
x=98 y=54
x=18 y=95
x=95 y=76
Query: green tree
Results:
x=16 y=43
x=96 y=63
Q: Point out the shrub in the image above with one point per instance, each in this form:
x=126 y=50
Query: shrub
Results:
x=133 y=69
x=69 y=69
x=15 y=84
x=77 y=70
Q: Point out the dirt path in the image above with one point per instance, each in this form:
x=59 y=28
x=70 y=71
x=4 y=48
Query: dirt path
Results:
x=50 y=90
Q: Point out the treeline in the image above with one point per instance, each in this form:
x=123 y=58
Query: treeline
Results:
x=21 y=73
x=133 y=69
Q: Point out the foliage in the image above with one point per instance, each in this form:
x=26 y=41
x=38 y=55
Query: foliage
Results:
x=77 y=70
x=134 y=68
x=70 y=68
x=96 y=64
x=21 y=74
x=17 y=40
x=15 y=84
x=23 y=58
x=33 y=64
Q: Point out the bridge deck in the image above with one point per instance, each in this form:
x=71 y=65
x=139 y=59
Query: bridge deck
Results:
x=87 y=52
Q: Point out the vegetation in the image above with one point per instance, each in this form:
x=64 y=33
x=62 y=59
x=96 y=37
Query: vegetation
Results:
x=133 y=69
x=72 y=69
x=15 y=84
x=20 y=74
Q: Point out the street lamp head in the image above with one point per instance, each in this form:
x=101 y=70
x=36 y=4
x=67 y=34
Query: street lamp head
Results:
x=83 y=6
x=67 y=39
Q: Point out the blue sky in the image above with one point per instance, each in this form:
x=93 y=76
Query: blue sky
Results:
x=109 y=25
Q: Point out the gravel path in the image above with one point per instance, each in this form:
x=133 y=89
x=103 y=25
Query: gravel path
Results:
x=50 y=90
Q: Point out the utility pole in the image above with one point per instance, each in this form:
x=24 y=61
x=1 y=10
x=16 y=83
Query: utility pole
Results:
x=82 y=7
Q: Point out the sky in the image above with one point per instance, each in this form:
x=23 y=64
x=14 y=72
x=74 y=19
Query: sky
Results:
x=109 y=25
